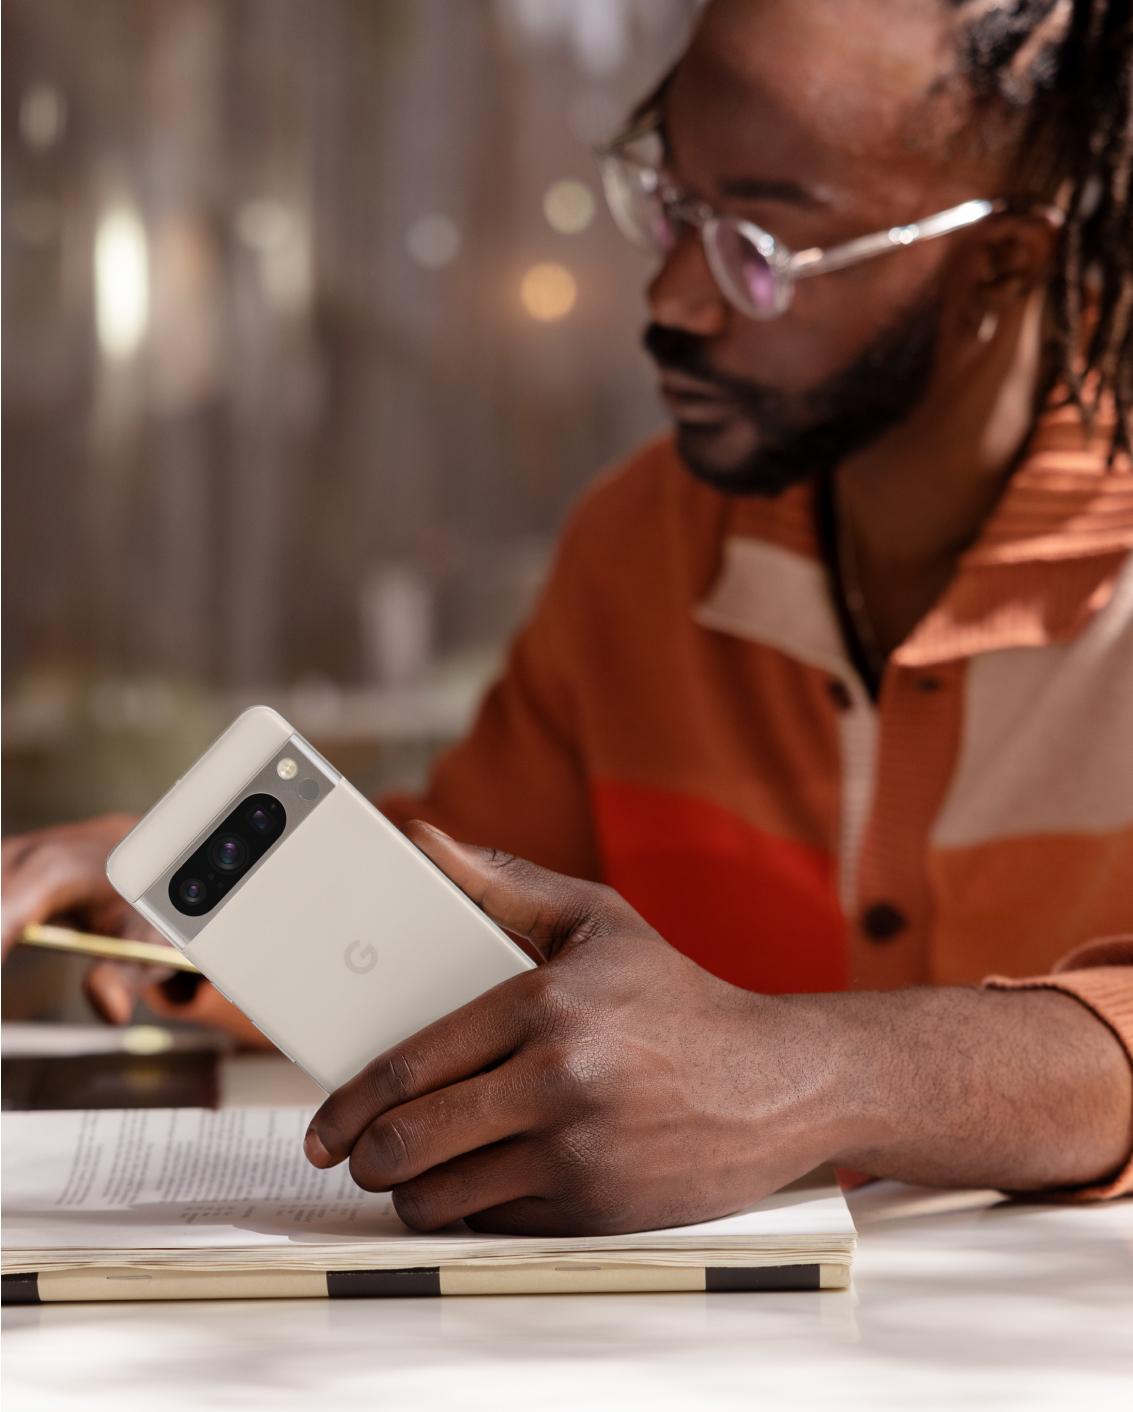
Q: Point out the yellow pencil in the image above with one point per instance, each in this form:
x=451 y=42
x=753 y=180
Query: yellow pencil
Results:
x=110 y=947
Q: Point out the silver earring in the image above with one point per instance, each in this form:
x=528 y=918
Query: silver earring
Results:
x=988 y=325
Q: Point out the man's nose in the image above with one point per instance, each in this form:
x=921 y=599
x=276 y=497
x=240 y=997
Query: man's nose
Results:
x=683 y=293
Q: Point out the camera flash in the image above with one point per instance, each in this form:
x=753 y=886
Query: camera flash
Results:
x=287 y=769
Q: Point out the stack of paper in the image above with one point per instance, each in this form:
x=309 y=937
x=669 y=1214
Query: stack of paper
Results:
x=186 y=1202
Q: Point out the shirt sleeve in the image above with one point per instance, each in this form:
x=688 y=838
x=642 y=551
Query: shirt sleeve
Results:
x=517 y=781
x=1100 y=975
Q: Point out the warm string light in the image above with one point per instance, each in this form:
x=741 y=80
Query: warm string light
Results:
x=549 y=292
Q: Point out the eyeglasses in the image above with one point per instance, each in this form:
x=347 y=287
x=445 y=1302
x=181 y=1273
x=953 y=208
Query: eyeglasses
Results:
x=754 y=271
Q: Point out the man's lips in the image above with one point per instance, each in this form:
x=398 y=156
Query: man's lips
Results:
x=693 y=400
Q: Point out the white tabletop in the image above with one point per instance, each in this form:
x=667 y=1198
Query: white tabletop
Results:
x=960 y=1301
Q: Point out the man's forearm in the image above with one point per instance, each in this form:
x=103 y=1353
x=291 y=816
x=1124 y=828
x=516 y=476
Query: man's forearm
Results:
x=1021 y=1090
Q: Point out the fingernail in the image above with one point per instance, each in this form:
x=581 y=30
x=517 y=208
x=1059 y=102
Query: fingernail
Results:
x=433 y=829
x=317 y=1154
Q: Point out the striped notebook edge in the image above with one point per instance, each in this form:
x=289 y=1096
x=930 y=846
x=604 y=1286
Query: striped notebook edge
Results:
x=127 y=1283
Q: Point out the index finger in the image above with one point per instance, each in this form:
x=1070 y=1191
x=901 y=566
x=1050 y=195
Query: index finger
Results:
x=466 y=1042
x=546 y=908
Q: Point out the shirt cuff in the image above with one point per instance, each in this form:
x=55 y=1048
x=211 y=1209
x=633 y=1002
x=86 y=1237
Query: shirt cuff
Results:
x=1100 y=975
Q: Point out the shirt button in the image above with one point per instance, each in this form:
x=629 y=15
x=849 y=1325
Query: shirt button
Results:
x=883 y=921
x=839 y=693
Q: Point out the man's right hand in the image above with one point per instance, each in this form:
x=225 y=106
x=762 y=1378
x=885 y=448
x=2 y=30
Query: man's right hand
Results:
x=59 y=874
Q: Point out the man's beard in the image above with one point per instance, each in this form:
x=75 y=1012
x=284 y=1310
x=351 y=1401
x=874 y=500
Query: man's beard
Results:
x=842 y=415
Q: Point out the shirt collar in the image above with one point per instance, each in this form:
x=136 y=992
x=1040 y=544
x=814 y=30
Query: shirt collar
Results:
x=1045 y=561
x=1048 y=555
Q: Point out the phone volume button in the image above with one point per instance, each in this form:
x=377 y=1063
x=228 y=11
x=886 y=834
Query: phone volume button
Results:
x=232 y=1002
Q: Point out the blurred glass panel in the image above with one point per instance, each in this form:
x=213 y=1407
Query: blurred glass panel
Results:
x=281 y=420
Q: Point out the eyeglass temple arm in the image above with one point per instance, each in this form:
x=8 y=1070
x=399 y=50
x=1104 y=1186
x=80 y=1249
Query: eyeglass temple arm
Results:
x=813 y=262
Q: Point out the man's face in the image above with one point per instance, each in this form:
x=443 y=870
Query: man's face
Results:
x=817 y=120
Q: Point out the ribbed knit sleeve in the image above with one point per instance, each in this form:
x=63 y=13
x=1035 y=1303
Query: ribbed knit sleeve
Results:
x=1100 y=975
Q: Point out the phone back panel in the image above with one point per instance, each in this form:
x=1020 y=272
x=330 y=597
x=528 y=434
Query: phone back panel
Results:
x=344 y=942
x=343 y=938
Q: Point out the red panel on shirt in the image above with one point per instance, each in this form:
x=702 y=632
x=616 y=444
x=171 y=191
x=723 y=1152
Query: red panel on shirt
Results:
x=755 y=910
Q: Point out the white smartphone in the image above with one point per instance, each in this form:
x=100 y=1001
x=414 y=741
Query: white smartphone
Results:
x=303 y=905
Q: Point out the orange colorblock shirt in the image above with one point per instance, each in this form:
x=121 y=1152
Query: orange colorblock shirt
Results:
x=680 y=719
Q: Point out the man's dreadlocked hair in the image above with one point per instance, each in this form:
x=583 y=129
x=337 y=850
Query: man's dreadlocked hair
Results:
x=1066 y=68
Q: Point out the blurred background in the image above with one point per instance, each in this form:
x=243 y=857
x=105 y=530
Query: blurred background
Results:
x=315 y=327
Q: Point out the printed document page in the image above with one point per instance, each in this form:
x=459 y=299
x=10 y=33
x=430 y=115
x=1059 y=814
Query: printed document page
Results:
x=194 y=1179
x=177 y=1177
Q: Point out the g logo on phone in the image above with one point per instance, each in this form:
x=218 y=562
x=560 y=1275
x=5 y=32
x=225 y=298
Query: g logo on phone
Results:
x=360 y=959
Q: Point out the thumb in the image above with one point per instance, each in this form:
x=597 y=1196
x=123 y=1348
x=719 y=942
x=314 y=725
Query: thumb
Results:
x=115 y=987
x=548 y=908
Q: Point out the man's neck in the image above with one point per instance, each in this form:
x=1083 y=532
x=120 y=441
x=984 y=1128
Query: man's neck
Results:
x=917 y=499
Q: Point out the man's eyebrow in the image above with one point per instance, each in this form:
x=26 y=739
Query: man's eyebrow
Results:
x=752 y=189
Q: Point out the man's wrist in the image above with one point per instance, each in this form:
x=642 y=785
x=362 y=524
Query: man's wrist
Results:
x=818 y=1094
x=949 y=1086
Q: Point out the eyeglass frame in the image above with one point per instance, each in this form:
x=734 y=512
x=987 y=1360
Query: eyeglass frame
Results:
x=788 y=266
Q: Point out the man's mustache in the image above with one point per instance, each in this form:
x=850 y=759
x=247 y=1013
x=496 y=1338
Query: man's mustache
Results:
x=684 y=352
x=679 y=350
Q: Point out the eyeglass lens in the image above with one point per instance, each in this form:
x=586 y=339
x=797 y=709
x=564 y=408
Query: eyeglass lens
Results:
x=637 y=206
x=743 y=273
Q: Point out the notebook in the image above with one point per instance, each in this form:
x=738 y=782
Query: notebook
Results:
x=191 y=1203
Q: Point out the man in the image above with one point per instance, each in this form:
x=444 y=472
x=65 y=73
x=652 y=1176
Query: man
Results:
x=848 y=706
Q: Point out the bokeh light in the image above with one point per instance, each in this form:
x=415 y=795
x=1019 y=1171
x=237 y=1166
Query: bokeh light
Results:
x=569 y=206
x=43 y=116
x=433 y=241
x=278 y=233
x=548 y=292
x=121 y=281
x=264 y=224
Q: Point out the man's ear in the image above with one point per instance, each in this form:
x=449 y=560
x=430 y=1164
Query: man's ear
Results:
x=1012 y=256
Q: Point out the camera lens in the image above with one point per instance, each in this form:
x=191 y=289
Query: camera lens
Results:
x=193 y=892
x=228 y=853
x=259 y=820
